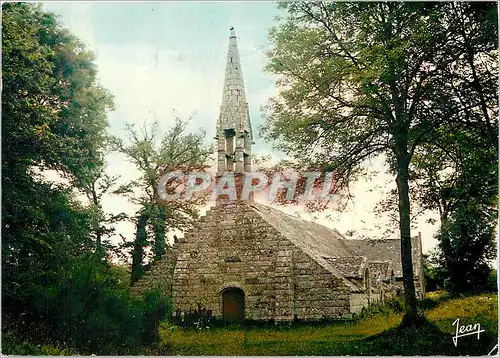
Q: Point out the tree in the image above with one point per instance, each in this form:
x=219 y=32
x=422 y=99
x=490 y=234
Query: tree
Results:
x=57 y=286
x=456 y=175
x=469 y=95
x=460 y=165
x=432 y=276
x=466 y=244
x=455 y=170
x=358 y=80
x=176 y=151
x=53 y=110
x=467 y=199
x=95 y=186
x=53 y=117
x=52 y=107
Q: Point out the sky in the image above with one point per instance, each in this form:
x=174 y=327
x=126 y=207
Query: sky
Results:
x=164 y=58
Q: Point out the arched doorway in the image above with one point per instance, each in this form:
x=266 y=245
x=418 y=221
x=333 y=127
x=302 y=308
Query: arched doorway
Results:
x=233 y=305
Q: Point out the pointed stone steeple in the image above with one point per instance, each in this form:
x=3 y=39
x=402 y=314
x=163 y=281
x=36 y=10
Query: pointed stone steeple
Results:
x=234 y=131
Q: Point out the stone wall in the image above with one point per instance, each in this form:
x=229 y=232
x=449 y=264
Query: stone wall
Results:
x=419 y=287
x=318 y=293
x=420 y=282
x=160 y=275
x=382 y=292
x=230 y=248
x=233 y=246
x=358 y=301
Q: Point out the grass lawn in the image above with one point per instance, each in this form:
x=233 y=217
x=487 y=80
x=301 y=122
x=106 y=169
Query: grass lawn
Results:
x=378 y=334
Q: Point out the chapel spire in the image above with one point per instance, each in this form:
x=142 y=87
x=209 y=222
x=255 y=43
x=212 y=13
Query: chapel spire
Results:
x=234 y=131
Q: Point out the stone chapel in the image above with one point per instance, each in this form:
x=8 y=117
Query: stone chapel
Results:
x=248 y=261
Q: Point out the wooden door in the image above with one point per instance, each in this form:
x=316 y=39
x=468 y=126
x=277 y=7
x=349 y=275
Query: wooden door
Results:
x=233 y=305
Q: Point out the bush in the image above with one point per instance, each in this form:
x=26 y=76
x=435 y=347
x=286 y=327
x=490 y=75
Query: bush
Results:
x=427 y=304
x=198 y=317
x=156 y=308
x=13 y=345
x=394 y=305
x=85 y=307
x=165 y=333
x=492 y=285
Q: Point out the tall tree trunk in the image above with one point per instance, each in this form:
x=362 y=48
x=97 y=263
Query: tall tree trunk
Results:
x=159 y=230
x=98 y=230
x=138 y=250
x=411 y=314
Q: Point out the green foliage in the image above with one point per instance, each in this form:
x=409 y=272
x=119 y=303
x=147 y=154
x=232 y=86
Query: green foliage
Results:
x=467 y=201
x=96 y=185
x=157 y=307
x=492 y=285
x=429 y=278
x=433 y=299
x=45 y=231
x=456 y=166
x=165 y=333
x=87 y=308
x=14 y=346
x=53 y=117
x=459 y=178
x=60 y=295
x=467 y=244
x=393 y=306
x=53 y=111
x=427 y=304
x=434 y=274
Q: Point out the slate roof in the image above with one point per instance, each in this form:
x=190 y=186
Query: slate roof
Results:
x=350 y=266
x=386 y=250
x=324 y=241
x=317 y=241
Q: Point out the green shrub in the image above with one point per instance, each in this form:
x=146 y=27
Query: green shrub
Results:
x=87 y=307
x=427 y=304
x=394 y=305
x=165 y=332
x=13 y=345
x=492 y=285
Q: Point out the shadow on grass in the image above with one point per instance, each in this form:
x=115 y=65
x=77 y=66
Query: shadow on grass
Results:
x=377 y=331
x=427 y=339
